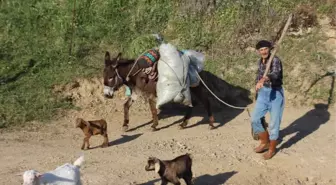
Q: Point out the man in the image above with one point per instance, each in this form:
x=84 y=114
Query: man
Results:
x=270 y=98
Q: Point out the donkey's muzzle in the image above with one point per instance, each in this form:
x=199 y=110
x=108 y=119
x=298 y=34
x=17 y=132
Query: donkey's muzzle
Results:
x=108 y=92
x=108 y=96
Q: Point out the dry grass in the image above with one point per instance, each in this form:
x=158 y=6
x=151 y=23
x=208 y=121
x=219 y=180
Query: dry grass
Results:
x=40 y=31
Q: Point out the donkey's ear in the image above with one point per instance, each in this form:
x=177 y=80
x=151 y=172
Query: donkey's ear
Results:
x=107 y=58
x=118 y=57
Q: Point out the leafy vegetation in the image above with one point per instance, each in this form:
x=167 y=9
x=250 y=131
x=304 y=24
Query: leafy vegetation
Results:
x=36 y=36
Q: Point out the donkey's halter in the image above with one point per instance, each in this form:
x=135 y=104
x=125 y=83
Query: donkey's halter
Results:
x=118 y=77
x=121 y=78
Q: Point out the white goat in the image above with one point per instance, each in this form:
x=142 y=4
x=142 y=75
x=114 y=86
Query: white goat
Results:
x=66 y=174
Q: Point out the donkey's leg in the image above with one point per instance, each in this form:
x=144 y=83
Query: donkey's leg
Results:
x=127 y=106
x=186 y=118
x=207 y=105
x=153 y=109
x=195 y=92
x=198 y=91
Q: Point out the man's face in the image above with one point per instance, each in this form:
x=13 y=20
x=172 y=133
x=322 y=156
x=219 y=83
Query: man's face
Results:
x=264 y=52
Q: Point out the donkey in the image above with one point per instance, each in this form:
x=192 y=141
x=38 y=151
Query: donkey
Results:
x=116 y=71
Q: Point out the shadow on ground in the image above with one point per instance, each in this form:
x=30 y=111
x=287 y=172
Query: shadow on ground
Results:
x=305 y=125
x=231 y=94
x=218 y=179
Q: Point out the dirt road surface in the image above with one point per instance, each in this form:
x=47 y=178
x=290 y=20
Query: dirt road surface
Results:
x=225 y=155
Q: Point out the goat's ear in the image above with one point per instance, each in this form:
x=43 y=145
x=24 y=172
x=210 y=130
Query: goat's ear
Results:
x=86 y=123
x=107 y=58
x=157 y=165
x=38 y=175
x=153 y=159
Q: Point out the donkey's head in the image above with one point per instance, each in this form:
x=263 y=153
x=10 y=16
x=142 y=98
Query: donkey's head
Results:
x=112 y=79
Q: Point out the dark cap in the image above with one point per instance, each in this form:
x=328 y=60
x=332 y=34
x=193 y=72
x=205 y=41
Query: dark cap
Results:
x=264 y=43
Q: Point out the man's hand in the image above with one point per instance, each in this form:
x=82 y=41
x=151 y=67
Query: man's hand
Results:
x=260 y=84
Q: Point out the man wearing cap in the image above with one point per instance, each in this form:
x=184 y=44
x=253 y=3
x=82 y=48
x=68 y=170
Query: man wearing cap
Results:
x=270 y=98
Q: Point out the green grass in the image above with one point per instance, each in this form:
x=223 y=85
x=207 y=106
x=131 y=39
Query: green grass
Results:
x=39 y=32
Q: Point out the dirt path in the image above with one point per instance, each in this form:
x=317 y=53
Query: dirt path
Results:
x=224 y=155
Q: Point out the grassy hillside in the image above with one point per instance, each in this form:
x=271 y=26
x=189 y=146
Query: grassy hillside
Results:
x=35 y=37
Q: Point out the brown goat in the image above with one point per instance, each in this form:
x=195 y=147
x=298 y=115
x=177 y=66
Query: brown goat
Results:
x=94 y=127
x=172 y=170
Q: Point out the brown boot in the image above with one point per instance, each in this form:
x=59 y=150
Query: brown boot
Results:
x=264 y=142
x=271 y=151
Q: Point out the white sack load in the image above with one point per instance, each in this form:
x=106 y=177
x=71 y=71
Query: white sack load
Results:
x=196 y=59
x=173 y=81
x=196 y=66
x=192 y=75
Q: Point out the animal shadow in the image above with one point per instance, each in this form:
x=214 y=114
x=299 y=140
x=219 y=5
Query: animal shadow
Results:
x=150 y=182
x=140 y=126
x=124 y=139
x=218 y=179
x=305 y=125
x=231 y=94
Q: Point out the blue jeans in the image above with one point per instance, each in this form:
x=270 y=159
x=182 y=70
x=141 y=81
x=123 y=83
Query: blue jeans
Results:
x=271 y=100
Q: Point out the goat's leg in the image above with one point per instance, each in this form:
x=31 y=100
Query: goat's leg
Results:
x=164 y=181
x=176 y=181
x=127 y=106
x=105 y=143
x=83 y=145
x=188 y=178
x=86 y=139
x=154 y=114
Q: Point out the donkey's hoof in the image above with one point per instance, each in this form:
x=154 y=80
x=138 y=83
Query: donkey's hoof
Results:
x=104 y=145
x=181 y=127
x=153 y=129
x=125 y=128
x=211 y=127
